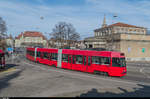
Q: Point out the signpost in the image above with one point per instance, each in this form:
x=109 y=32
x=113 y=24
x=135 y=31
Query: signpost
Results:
x=10 y=50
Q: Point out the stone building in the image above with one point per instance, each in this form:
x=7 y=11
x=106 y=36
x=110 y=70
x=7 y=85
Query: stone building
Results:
x=10 y=41
x=30 y=38
x=53 y=43
x=95 y=42
x=98 y=41
x=135 y=46
x=132 y=40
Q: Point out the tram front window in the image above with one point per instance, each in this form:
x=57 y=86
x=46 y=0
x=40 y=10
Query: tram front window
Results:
x=118 y=62
x=123 y=62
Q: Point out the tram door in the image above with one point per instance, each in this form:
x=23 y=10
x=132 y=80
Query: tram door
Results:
x=88 y=64
x=85 y=62
x=70 y=61
x=66 y=62
x=41 y=55
x=78 y=62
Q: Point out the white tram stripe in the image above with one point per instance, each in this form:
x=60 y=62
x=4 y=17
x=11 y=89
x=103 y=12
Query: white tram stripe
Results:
x=59 y=58
x=35 y=54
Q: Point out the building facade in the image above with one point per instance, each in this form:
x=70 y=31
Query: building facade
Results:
x=130 y=39
x=98 y=41
x=31 y=39
x=10 y=41
x=53 y=43
x=135 y=46
x=95 y=42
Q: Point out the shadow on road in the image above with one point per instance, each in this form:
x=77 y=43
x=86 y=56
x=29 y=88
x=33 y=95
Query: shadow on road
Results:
x=138 y=92
x=4 y=81
x=11 y=65
x=8 y=66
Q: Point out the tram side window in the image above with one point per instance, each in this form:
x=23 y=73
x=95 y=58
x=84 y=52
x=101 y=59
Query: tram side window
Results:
x=50 y=56
x=69 y=58
x=65 y=57
x=84 y=60
x=116 y=62
x=28 y=52
x=31 y=53
x=89 y=60
x=73 y=58
x=105 y=60
x=79 y=59
x=45 y=54
x=95 y=60
x=54 y=56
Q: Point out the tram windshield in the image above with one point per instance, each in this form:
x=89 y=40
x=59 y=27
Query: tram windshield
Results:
x=118 y=62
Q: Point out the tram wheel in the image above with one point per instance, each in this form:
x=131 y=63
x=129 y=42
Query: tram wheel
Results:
x=96 y=72
x=53 y=65
x=101 y=73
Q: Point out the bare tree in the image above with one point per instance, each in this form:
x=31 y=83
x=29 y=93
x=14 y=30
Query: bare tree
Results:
x=58 y=32
x=65 y=33
x=3 y=30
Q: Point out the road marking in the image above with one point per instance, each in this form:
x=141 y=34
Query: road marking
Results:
x=8 y=70
x=141 y=70
x=85 y=75
x=138 y=64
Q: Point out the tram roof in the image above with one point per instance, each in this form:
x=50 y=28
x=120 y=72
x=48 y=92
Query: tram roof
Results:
x=103 y=51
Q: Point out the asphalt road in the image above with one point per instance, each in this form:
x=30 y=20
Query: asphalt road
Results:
x=28 y=79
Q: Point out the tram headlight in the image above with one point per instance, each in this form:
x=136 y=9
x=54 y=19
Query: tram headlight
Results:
x=124 y=71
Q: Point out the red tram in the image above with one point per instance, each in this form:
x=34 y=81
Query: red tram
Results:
x=103 y=62
x=2 y=59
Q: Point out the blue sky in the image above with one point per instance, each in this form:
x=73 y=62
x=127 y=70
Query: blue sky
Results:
x=85 y=15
